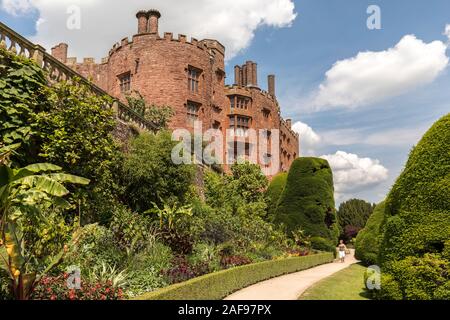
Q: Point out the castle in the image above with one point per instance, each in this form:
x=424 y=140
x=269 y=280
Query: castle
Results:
x=190 y=78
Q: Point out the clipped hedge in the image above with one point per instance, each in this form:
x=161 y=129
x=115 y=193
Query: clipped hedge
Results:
x=417 y=213
x=218 y=285
x=307 y=201
x=368 y=239
x=416 y=227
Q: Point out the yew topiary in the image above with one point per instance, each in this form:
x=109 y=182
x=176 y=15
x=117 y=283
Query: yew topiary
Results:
x=307 y=201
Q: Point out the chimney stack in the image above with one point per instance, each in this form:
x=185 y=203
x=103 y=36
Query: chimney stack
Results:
x=271 y=84
x=249 y=68
x=60 y=52
x=142 y=17
x=153 y=16
x=254 y=74
x=237 y=75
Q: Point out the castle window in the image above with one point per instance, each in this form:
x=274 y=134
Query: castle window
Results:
x=192 y=112
x=193 y=79
x=240 y=125
x=239 y=102
x=125 y=82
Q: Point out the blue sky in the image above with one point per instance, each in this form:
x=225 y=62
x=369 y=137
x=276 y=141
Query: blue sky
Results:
x=322 y=33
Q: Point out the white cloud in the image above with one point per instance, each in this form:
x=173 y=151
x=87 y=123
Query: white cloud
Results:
x=309 y=139
x=17 y=7
x=353 y=174
x=105 y=22
x=371 y=77
x=447 y=31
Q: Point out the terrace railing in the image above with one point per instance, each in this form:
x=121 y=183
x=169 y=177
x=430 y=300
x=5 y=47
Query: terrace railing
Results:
x=58 y=71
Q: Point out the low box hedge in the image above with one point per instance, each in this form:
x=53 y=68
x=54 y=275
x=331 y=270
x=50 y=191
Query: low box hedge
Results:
x=218 y=285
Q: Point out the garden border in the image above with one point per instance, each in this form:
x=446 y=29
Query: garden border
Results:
x=218 y=285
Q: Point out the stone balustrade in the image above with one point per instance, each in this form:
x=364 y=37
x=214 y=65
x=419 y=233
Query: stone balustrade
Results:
x=58 y=71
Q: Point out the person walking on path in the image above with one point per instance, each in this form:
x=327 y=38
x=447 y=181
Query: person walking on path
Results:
x=342 y=249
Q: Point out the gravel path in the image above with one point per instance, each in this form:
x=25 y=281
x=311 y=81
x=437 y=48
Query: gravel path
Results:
x=291 y=286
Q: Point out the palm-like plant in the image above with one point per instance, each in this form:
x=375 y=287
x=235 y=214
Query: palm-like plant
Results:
x=169 y=214
x=27 y=193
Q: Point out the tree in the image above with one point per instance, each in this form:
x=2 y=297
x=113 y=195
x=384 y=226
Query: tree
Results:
x=76 y=133
x=352 y=217
x=368 y=239
x=149 y=174
x=240 y=192
x=307 y=201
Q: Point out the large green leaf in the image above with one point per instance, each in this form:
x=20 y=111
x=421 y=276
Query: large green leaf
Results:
x=8 y=149
x=42 y=167
x=63 y=177
x=45 y=184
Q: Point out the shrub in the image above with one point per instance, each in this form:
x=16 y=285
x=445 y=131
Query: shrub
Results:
x=182 y=270
x=273 y=193
x=234 y=261
x=55 y=288
x=142 y=280
x=96 y=245
x=76 y=134
x=368 y=239
x=150 y=175
x=322 y=244
x=419 y=201
x=219 y=284
x=417 y=278
x=417 y=221
x=132 y=231
x=307 y=201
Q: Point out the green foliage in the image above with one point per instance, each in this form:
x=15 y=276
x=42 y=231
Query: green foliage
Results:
x=273 y=193
x=307 y=201
x=322 y=244
x=218 y=285
x=76 y=133
x=96 y=245
x=159 y=115
x=241 y=192
x=170 y=215
x=133 y=232
x=368 y=239
x=416 y=225
x=352 y=216
x=27 y=195
x=150 y=175
x=22 y=96
x=414 y=278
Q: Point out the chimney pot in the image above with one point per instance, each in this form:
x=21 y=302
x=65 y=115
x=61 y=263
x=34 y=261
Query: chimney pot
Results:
x=237 y=76
x=271 y=84
x=254 y=74
x=142 y=17
x=153 y=17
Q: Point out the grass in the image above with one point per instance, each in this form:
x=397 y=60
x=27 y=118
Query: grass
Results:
x=347 y=284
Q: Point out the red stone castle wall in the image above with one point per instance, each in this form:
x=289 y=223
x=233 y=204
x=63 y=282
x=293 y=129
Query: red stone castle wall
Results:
x=159 y=66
